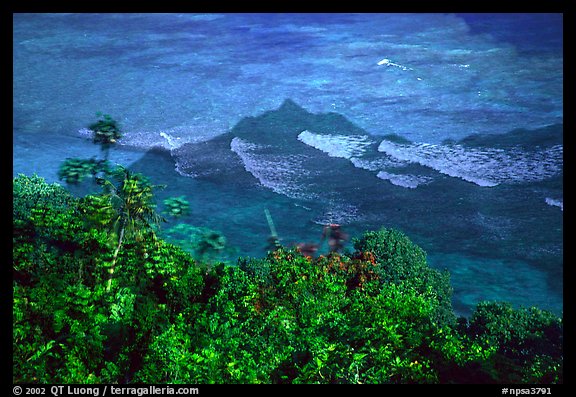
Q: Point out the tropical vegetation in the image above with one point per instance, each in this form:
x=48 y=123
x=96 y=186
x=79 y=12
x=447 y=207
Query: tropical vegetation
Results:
x=106 y=132
x=101 y=297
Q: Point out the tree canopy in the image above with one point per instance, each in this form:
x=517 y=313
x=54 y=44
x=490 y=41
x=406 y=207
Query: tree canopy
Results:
x=379 y=314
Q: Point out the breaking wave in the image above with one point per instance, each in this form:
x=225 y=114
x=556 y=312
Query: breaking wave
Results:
x=404 y=180
x=482 y=166
x=169 y=138
x=279 y=173
x=344 y=146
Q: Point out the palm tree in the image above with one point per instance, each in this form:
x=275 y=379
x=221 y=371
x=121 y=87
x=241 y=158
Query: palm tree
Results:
x=133 y=209
x=106 y=133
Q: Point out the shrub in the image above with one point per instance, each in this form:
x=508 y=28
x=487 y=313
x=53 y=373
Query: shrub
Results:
x=529 y=341
x=379 y=315
x=401 y=261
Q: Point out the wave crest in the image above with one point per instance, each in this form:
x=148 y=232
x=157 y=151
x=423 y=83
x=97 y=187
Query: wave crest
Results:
x=280 y=173
x=482 y=166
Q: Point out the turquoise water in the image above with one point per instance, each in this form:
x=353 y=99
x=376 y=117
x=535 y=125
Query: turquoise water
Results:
x=368 y=120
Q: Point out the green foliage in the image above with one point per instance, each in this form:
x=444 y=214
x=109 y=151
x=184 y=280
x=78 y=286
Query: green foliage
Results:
x=67 y=329
x=33 y=191
x=296 y=320
x=131 y=204
x=129 y=198
x=375 y=316
x=56 y=321
x=401 y=261
x=106 y=130
x=177 y=206
x=397 y=256
x=529 y=341
x=105 y=133
x=74 y=170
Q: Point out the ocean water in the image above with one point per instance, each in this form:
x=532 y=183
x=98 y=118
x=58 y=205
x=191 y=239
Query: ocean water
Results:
x=448 y=127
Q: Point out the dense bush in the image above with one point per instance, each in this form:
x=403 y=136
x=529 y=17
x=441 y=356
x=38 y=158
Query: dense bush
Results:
x=378 y=315
x=529 y=341
x=67 y=327
x=33 y=191
x=401 y=261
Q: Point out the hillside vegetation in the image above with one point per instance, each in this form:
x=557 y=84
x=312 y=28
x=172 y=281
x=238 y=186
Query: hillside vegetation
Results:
x=101 y=297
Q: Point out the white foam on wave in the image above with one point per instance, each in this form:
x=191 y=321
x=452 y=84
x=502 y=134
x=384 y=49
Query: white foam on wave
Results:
x=482 y=166
x=388 y=62
x=353 y=147
x=343 y=146
x=169 y=138
x=174 y=142
x=404 y=180
x=555 y=203
x=378 y=163
x=280 y=173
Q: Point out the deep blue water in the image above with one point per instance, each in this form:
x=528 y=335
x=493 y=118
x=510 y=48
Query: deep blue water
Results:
x=447 y=127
